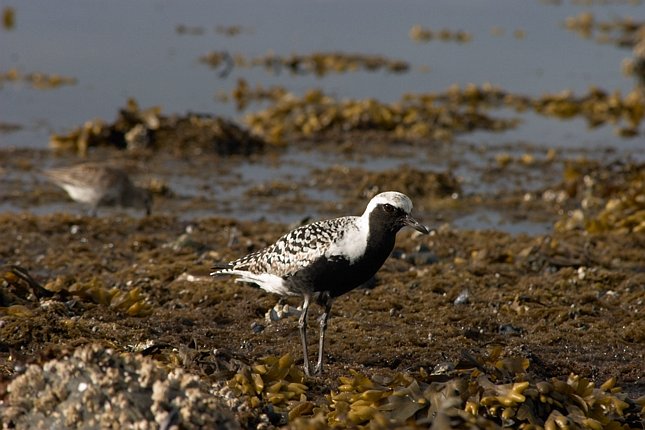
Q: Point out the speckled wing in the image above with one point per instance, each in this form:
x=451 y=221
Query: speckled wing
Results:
x=298 y=248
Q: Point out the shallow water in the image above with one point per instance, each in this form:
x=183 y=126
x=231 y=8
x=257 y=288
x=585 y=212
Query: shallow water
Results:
x=121 y=49
x=492 y=220
x=124 y=49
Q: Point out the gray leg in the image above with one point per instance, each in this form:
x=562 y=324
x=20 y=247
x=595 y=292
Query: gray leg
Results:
x=323 y=327
x=302 y=325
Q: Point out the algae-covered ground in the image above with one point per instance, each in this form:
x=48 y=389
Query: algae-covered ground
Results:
x=457 y=305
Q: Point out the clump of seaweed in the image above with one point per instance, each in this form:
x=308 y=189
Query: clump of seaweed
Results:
x=131 y=302
x=496 y=392
x=622 y=32
x=410 y=118
x=611 y=198
x=8 y=18
x=437 y=116
x=274 y=382
x=317 y=63
x=636 y=65
x=231 y=30
x=421 y=34
x=37 y=80
x=137 y=128
x=619 y=31
x=597 y=106
x=20 y=293
x=243 y=94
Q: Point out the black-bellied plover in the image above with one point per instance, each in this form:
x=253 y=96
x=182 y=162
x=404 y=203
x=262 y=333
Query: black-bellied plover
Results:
x=100 y=185
x=325 y=259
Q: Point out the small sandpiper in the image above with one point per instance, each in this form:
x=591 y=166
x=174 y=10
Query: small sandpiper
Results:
x=100 y=185
x=325 y=259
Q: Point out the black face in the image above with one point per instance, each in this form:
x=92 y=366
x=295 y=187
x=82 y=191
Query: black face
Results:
x=393 y=218
x=390 y=217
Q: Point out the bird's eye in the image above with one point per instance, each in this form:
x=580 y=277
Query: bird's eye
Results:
x=388 y=207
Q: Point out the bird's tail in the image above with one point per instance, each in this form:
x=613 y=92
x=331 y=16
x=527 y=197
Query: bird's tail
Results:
x=266 y=281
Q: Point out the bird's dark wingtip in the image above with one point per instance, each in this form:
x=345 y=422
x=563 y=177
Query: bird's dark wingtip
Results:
x=219 y=266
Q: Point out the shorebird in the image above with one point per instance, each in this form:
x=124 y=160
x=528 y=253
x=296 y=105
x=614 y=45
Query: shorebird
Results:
x=100 y=185
x=325 y=259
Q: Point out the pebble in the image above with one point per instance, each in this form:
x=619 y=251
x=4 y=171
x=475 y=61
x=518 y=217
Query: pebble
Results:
x=257 y=327
x=509 y=330
x=280 y=311
x=443 y=368
x=141 y=394
x=463 y=298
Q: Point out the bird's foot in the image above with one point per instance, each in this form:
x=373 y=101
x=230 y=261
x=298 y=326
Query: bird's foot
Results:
x=306 y=368
x=318 y=370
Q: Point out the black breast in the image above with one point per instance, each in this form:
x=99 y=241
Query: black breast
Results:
x=337 y=276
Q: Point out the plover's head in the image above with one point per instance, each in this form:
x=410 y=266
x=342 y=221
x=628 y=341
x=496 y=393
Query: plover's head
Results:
x=392 y=210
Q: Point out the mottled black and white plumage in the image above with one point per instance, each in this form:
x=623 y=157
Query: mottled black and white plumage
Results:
x=325 y=259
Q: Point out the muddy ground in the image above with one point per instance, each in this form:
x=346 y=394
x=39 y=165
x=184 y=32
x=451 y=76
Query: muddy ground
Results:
x=567 y=300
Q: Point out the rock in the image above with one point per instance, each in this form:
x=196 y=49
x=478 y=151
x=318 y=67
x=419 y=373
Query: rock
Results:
x=98 y=387
x=463 y=298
